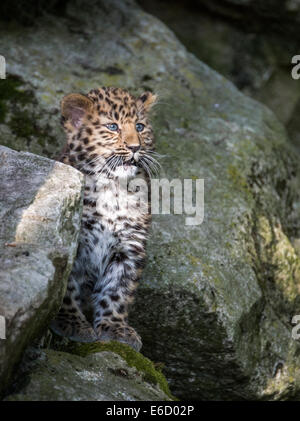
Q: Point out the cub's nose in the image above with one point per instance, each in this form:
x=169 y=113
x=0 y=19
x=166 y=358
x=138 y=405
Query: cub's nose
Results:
x=134 y=148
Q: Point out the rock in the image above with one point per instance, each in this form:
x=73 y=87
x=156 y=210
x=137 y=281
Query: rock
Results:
x=40 y=203
x=112 y=372
x=281 y=14
x=244 y=45
x=216 y=300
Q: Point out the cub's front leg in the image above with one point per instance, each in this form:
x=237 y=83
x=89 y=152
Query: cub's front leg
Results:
x=114 y=293
x=70 y=321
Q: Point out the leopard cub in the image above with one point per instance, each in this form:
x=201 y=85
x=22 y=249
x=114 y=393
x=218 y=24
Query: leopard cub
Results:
x=110 y=140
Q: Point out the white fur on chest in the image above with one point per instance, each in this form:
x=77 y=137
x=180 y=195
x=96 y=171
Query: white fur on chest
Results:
x=120 y=198
x=118 y=209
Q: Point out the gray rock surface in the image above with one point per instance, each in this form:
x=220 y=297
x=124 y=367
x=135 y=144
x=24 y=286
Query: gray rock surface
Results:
x=249 y=42
x=273 y=10
x=40 y=207
x=104 y=376
x=216 y=300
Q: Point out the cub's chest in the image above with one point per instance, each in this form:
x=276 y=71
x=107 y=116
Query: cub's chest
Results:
x=116 y=200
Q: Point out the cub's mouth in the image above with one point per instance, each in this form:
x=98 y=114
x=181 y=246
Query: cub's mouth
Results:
x=130 y=162
x=146 y=161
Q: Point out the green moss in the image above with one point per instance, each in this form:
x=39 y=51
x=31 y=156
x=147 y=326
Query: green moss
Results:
x=3 y=111
x=193 y=260
x=13 y=97
x=238 y=179
x=22 y=124
x=10 y=90
x=277 y=257
x=151 y=374
x=18 y=111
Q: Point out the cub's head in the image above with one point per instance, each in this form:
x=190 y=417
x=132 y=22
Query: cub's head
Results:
x=108 y=132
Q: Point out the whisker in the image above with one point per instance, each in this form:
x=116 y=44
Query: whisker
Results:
x=156 y=153
x=153 y=168
x=153 y=160
x=105 y=165
x=146 y=168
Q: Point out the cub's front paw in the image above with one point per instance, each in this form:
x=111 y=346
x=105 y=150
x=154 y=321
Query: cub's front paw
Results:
x=74 y=331
x=108 y=331
x=84 y=335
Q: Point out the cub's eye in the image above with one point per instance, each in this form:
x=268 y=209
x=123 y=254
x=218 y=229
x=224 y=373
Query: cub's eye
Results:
x=112 y=126
x=139 y=127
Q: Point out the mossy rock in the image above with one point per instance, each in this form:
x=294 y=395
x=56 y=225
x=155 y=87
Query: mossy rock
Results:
x=23 y=124
x=249 y=52
x=150 y=372
x=98 y=371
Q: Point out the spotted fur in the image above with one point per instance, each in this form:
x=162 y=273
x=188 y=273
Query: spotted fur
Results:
x=111 y=250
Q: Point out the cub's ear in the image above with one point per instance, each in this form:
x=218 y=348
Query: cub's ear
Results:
x=147 y=100
x=74 y=107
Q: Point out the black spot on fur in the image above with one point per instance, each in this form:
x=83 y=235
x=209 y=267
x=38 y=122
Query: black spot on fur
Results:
x=121 y=309
x=88 y=202
x=103 y=304
x=107 y=313
x=81 y=156
x=67 y=301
